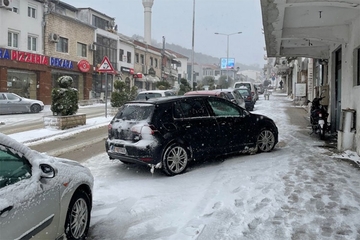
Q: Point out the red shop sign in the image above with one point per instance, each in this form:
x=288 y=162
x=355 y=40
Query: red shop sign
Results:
x=83 y=65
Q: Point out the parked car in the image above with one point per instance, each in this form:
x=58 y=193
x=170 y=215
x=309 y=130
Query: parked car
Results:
x=260 y=88
x=215 y=93
x=246 y=94
x=234 y=96
x=42 y=197
x=154 y=94
x=12 y=103
x=168 y=133
x=249 y=85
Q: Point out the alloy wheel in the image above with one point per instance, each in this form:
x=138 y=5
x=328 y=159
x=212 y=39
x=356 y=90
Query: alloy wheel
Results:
x=175 y=160
x=79 y=218
x=266 y=141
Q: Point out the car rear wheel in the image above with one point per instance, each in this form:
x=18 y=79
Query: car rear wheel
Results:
x=265 y=140
x=35 y=108
x=175 y=159
x=78 y=216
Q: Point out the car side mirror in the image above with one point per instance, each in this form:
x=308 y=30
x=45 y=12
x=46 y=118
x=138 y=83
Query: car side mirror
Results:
x=47 y=171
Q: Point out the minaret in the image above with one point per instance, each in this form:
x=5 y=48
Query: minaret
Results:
x=147 y=20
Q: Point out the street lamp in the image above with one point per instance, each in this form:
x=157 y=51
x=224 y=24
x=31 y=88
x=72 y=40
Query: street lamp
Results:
x=227 y=51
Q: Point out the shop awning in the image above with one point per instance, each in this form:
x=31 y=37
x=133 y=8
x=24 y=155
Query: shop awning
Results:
x=152 y=79
x=177 y=62
x=139 y=77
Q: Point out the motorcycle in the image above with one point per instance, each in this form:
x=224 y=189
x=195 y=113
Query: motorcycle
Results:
x=318 y=118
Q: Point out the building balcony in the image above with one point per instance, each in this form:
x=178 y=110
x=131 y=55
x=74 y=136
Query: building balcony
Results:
x=170 y=71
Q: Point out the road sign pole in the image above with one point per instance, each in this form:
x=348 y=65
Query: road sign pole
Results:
x=106 y=93
x=106 y=67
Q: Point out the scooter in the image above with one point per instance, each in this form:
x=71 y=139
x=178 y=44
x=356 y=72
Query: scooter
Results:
x=318 y=118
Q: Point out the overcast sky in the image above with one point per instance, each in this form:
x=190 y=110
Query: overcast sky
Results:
x=173 y=19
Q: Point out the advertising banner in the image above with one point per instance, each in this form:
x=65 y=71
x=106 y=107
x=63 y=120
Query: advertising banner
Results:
x=227 y=64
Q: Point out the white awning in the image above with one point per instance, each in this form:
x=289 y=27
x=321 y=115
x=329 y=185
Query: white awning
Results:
x=152 y=79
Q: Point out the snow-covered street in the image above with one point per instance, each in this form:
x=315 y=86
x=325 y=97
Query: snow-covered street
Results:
x=299 y=191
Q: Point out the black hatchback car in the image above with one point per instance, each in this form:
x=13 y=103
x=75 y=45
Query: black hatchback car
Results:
x=167 y=133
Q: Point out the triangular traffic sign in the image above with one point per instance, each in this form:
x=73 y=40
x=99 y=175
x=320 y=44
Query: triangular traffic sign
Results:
x=105 y=66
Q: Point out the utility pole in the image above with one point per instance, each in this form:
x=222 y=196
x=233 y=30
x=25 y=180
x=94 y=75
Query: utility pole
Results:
x=227 y=51
x=192 y=51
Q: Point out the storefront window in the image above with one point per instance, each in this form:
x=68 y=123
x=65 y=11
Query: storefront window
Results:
x=22 y=83
x=99 y=84
x=77 y=78
x=139 y=85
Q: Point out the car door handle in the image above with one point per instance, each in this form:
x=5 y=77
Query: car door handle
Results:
x=6 y=210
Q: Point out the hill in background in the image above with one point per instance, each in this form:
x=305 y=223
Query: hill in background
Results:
x=199 y=58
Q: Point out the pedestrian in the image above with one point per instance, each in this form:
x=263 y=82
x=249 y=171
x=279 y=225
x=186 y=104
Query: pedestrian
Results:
x=281 y=84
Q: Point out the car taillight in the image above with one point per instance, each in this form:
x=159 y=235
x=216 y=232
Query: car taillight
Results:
x=110 y=131
x=109 y=128
x=252 y=93
x=144 y=130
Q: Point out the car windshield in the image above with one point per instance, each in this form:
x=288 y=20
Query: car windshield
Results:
x=136 y=112
x=229 y=95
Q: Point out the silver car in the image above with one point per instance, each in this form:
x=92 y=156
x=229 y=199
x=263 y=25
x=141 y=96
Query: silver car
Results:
x=42 y=197
x=12 y=103
x=234 y=96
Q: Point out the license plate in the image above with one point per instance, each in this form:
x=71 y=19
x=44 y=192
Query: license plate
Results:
x=120 y=150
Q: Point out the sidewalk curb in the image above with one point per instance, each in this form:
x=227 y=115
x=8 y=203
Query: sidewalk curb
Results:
x=49 y=138
x=56 y=153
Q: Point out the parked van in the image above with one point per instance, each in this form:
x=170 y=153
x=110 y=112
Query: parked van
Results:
x=250 y=86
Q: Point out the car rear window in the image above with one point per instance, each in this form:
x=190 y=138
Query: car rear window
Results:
x=136 y=112
x=244 y=92
x=169 y=93
x=145 y=96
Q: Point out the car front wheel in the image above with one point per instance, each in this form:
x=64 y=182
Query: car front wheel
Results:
x=35 y=108
x=78 y=216
x=175 y=159
x=265 y=141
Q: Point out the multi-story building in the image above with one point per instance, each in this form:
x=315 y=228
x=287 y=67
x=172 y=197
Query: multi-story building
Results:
x=22 y=63
x=170 y=68
x=147 y=65
x=106 y=44
x=68 y=41
x=181 y=64
x=126 y=60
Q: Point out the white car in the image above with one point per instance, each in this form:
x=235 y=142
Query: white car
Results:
x=234 y=96
x=154 y=94
x=42 y=197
